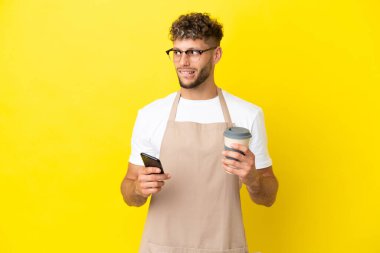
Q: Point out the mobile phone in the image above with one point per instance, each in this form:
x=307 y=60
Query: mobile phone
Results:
x=151 y=161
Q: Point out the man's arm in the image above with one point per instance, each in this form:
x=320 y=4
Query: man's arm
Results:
x=140 y=182
x=264 y=186
x=128 y=187
x=261 y=184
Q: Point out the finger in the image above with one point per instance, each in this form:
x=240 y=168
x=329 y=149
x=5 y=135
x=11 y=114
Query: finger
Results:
x=155 y=190
x=150 y=170
x=230 y=162
x=248 y=155
x=234 y=154
x=245 y=160
x=240 y=147
x=149 y=191
x=232 y=170
x=141 y=191
x=237 y=164
x=167 y=176
x=241 y=173
x=156 y=184
x=154 y=177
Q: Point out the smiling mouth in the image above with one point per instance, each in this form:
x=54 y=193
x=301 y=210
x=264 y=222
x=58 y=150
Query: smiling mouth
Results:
x=186 y=72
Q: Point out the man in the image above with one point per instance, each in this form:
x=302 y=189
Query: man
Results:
x=195 y=205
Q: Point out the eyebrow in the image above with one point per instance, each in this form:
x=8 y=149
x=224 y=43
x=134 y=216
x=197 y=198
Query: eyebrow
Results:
x=191 y=48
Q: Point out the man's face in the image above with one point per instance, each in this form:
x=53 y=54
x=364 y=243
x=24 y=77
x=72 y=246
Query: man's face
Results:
x=193 y=72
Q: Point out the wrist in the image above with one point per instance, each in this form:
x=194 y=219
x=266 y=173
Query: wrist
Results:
x=254 y=186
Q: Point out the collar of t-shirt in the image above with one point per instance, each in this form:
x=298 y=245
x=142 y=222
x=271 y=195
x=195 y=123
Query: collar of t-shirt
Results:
x=200 y=111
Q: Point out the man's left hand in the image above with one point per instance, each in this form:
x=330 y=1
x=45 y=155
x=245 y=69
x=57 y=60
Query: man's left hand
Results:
x=244 y=168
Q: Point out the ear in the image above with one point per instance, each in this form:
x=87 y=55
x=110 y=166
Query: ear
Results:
x=217 y=55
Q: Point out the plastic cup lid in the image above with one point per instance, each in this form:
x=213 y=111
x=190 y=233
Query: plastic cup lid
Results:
x=237 y=133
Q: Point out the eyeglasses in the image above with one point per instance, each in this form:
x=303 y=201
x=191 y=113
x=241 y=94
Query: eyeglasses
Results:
x=193 y=54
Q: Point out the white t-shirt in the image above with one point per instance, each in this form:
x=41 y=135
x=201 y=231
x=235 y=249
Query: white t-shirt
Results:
x=151 y=123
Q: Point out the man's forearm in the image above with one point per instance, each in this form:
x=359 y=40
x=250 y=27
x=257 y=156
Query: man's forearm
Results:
x=266 y=195
x=129 y=194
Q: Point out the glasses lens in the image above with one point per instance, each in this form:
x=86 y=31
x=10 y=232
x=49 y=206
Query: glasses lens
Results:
x=192 y=55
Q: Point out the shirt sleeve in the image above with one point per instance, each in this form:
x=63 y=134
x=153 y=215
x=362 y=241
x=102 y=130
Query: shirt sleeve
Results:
x=259 y=142
x=140 y=141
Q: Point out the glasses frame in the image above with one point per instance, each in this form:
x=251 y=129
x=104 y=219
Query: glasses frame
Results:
x=187 y=52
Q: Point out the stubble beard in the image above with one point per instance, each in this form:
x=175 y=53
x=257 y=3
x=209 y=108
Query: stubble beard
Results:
x=203 y=75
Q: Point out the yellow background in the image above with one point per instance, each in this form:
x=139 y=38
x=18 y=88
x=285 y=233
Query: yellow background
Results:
x=73 y=74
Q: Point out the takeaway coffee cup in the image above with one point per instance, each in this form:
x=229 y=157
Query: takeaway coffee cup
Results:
x=238 y=135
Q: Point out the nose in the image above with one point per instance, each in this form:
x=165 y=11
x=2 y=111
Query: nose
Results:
x=184 y=60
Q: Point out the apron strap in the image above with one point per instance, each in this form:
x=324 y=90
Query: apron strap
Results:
x=173 y=111
x=223 y=104
x=226 y=113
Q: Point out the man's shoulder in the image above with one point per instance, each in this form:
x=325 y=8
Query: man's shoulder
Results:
x=241 y=106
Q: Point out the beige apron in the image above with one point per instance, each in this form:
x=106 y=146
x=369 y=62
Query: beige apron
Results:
x=198 y=209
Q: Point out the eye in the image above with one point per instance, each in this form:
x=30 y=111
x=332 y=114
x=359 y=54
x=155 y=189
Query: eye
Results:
x=176 y=52
x=193 y=52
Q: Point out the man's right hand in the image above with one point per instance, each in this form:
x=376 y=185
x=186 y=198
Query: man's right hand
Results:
x=149 y=181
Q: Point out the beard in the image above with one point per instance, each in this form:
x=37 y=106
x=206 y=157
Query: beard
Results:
x=203 y=75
